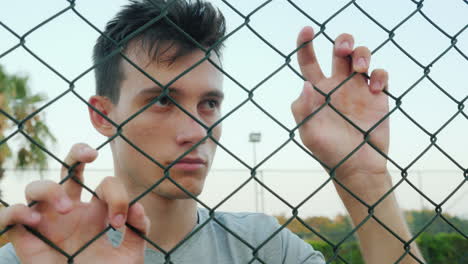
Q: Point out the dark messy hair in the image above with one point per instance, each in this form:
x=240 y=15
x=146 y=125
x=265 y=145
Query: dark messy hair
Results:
x=199 y=19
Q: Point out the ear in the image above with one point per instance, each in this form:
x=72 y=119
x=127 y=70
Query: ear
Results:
x=105 y=107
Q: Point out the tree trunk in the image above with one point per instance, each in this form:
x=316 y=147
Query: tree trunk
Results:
x=2 y=173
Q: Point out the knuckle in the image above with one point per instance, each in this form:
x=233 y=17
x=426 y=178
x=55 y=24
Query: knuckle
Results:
x=108 y=180
x=46 y=186
x=78 y=147
x=114 y=189
x=12 y=214
x=75 y=152
x=31 y=186
x=44 y=190
x=294 y=106
x=5 y=213
x=119 y=202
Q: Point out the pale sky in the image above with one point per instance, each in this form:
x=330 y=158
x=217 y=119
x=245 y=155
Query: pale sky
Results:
x=66 y=43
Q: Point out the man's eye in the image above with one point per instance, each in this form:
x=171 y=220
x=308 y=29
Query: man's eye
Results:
x=211 y=104
x=163 y=101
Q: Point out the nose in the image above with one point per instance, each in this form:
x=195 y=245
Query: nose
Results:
x=189 y=131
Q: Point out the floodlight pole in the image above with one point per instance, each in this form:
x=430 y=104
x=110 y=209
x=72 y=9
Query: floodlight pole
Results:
x=255 y=137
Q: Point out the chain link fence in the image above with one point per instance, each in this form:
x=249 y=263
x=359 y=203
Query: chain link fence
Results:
x=417 y=10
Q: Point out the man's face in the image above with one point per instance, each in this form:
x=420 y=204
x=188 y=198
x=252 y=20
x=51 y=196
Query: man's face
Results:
x=163 y=131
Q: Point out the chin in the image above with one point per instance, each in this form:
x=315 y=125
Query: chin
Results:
x=179 y=195
x=172 y=192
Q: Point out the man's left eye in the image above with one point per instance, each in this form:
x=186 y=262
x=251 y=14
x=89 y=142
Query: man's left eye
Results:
x=163 y=101
x=211 y=104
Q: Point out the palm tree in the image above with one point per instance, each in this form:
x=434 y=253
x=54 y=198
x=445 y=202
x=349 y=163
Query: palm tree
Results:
x=17 y=102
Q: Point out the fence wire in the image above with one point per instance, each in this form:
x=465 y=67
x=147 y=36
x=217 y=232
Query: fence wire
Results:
x=250 y=91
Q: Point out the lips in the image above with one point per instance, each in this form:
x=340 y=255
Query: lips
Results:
x=190 y=164
x=192 y=160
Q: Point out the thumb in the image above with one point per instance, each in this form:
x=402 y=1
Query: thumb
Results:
x=305 y=104
x=136 y=218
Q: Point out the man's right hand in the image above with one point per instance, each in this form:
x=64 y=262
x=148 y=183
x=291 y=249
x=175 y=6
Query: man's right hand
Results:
x=69 y=223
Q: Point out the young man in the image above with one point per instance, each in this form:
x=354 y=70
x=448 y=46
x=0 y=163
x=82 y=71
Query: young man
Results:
x=169 y=137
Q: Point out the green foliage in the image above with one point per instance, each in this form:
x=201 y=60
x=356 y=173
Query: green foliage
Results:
x=349 y=251
x=337 y=229
x=439 y=242
x=438 y=248
x=443 y=248
x=334 y=230
x=417 y=220
x=17 y=100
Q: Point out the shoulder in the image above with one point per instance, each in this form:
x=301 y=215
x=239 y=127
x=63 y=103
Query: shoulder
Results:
x=254 y=225
x=264 y=231
x=247 y=219
x=8 y=255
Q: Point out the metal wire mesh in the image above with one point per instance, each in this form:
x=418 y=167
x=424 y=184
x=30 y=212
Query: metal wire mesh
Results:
x=250 y=92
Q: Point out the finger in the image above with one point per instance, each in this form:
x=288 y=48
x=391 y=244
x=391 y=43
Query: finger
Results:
x=305 y=104
x=307 y=60
x=343 y=48
x=79 y=153
x=138 y=219
x=112 y=192
x=361 y=59
x=378 y=81
x=51 y=193
x=18 y=214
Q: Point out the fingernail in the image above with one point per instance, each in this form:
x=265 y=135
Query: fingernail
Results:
x=85 y=150
x=119 y=220
x=377 y=86
x=35 y=216
x=344 y=45
x=361 y=63
x=64 y=204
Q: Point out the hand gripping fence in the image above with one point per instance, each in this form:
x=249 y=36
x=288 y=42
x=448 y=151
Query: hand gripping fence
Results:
x=392 y=32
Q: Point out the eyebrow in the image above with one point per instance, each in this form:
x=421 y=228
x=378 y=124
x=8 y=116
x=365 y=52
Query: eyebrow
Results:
x=156 y=90
x=174 y=90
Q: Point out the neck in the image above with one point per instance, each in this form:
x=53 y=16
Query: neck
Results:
x=171 y=219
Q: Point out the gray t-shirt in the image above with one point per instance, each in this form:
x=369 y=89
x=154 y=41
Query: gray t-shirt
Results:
x=213 y=243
